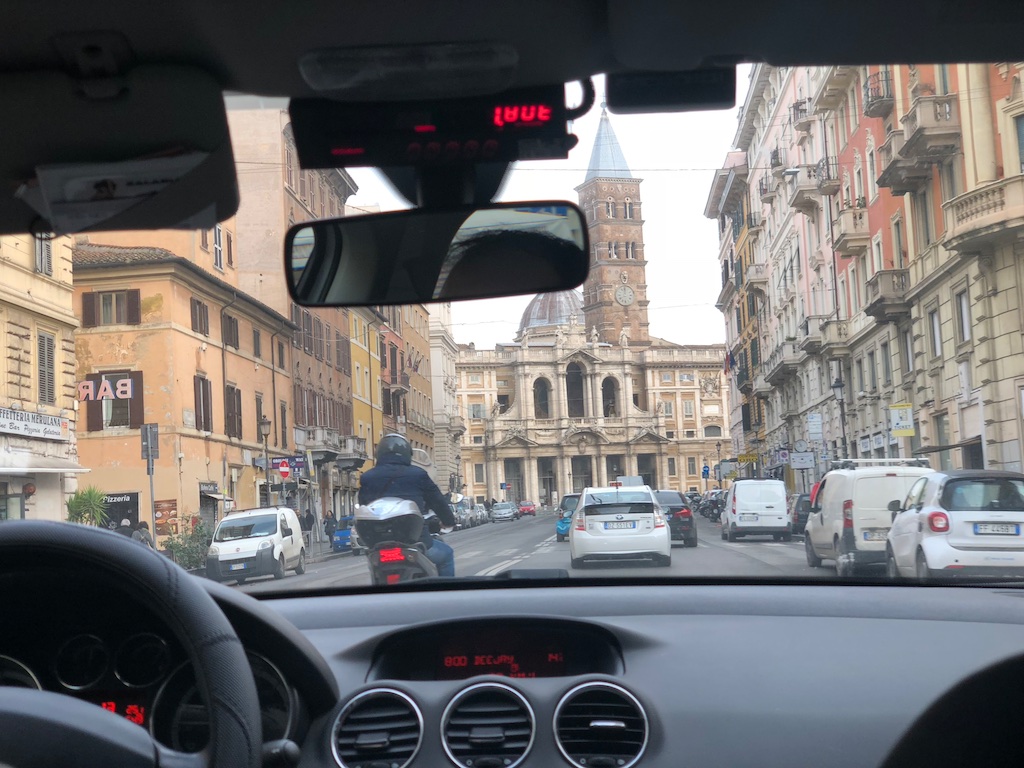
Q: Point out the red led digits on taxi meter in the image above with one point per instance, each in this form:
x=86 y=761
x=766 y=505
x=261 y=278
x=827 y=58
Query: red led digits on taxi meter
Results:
x=132 y=712
x=521 y=114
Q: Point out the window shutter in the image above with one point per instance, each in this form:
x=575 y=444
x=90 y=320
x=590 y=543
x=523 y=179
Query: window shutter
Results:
x=45 y=345
x=133 y=299
x=197 y=388
x=89 y=319
x=208 y=405
x=229 y=412
x=94 y=408
x=238 y=413
x=194 y=306
x=137 y=405
x=204 y=316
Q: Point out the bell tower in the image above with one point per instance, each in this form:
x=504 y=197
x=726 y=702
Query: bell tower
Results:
x=615 y=293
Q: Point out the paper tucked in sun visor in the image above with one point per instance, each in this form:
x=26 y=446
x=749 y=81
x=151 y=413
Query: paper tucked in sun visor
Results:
x=155 y=156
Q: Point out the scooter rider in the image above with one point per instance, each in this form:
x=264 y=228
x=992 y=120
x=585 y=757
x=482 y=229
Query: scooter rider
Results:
x=394 y=475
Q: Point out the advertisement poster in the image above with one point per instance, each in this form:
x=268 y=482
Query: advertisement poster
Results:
x=167 y=517
x=901 y=419
x=122 y=506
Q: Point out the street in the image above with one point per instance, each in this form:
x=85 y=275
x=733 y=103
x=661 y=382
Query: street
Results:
x=530 y=543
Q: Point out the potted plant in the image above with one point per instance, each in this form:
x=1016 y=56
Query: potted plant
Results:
x=87 y=507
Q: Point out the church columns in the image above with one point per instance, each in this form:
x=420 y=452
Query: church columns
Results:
x=559 y=397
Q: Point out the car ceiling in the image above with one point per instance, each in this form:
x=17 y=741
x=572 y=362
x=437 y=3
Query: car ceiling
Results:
x=254 y=47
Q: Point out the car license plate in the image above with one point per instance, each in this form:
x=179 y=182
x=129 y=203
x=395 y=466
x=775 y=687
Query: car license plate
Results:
x=617 y=525
x=1000 y=529
x=748 y=518
x=876 y=535
x=238 y=567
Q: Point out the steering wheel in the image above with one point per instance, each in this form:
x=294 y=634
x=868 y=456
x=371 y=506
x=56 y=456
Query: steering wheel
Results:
x=42 y=728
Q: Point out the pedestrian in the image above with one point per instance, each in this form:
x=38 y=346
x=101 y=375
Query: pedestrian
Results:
x=125 y=528
x=143 y=535
x=330 y=526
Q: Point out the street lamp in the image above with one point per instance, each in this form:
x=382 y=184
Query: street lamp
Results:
x=837 y=390
x=265 y=434
x=718 y=476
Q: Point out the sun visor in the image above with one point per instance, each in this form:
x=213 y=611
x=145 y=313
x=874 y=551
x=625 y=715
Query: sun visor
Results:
x=148 y=149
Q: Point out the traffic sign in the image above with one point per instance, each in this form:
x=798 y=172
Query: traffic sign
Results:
x=706 y=471
x=284 y=470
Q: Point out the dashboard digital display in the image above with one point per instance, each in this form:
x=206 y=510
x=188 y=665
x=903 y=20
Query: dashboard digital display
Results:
x=508 y=658
x=134 y=710
x=526 y=649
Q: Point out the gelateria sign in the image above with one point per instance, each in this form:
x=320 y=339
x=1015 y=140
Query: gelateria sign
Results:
x=36 y=425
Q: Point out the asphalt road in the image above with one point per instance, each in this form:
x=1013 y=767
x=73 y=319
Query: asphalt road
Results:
x=530 y=543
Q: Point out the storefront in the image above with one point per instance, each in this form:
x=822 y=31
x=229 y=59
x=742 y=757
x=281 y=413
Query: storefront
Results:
x=122 y=506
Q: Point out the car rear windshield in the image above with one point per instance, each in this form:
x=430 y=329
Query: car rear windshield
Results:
x=618 y=497
x=875 y=492
x=570 y=502
x=247 y=528
x=673 y=498
x=635 y=508
x=803 y=502
x=761 y=492
x=983 y=495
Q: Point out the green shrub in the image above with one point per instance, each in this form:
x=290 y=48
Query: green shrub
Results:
x=188 y=549
x=86 y=506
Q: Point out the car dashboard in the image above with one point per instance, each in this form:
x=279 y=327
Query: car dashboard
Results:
x=585 y=675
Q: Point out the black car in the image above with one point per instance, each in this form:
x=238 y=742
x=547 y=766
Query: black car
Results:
x=679 y=516
x=799 y=508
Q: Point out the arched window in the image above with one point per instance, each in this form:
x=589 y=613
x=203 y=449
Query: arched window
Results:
x=574 y=389
x=712 y=431
x=542 y=399
x=610 y=397
x=609 y=208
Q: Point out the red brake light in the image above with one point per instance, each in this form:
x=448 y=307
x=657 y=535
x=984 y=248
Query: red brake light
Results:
x=938 y=522
x=581 y=524
x=685 y=512
x=848 y=513
x=393 y=555
x=394 y=578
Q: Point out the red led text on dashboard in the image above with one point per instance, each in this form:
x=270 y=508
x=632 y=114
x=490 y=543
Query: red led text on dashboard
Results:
x=132 y=712
x=521 y=114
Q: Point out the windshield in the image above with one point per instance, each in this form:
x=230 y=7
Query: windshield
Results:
x=247 y=528
x=980 y=495
x=799 y=280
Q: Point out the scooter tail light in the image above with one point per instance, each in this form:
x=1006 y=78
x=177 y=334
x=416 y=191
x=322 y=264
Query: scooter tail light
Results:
x=391 y=555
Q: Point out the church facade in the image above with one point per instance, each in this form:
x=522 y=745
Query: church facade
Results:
x=583 y=393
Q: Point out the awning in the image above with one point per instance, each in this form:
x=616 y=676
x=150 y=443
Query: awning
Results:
x=217 y=496
x=951 y=447
x=27 y=464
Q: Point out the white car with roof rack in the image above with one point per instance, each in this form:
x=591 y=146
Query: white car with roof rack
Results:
x=850 y=520
x=619 y=522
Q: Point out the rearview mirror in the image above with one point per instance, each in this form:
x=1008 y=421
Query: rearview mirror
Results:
x=895 y=506
x=417 y=256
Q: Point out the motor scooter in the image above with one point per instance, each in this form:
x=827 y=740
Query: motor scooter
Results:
x=390 y=528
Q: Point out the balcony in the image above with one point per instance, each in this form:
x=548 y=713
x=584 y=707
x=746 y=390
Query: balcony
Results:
x=887 y=295
x=726 y=294
x=931 y=129
x=398 y=381
x=757 y=278
x=743 y=381
x=899 y=174
x=878 y=99
x=835 y=338
x=766 y=188
x=351 y=449
x=782 y=363
x=831 y=88
x=761 y=387
x=828 y=176
x=754 y=223
x=852 y=233
x=811 y=340
x=986 y=215
x=322 y=439
x=777 y=162
x=803 y=188
x=801 y=114
x=457 y=425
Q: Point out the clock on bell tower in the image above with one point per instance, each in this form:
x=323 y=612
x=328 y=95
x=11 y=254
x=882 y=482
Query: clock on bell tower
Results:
x=615 y=292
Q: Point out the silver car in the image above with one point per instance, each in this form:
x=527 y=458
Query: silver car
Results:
x=503 y=512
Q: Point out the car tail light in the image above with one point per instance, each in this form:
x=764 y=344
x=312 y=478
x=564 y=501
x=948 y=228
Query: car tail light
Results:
x=659 y=520
x=685 y=512
x=734 y=505
x=938 y=522
x=581 y=523
x=848 y=513
x=392 y=555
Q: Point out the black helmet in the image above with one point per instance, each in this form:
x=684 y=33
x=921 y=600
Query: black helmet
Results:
x=394 y=446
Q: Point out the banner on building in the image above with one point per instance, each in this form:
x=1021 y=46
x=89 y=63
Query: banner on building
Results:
x=814 y=430
x=38 y=425
x=122 y=506
x=901 y=420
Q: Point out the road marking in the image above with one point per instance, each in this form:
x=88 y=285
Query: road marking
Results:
x=500 y=567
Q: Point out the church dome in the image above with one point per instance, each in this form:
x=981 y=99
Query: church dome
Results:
x=551 y=309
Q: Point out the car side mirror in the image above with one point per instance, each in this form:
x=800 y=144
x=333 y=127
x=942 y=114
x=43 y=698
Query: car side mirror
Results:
x=286 y=531
x=895 y=506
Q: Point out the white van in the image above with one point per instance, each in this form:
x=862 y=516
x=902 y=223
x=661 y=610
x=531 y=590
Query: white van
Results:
x=756 y=507
x=256 y=542
x=850 y=520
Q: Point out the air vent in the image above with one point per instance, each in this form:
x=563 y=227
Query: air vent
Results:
x=378 y=727
x=600 y=724
x=488 y=724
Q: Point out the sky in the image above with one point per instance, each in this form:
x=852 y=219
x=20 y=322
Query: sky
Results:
x=676 y=155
